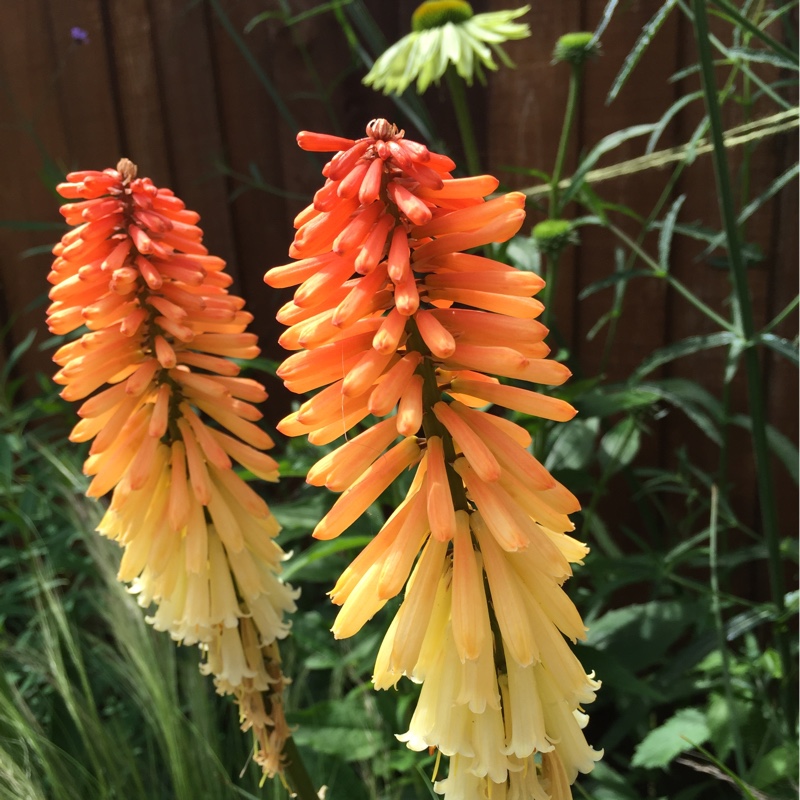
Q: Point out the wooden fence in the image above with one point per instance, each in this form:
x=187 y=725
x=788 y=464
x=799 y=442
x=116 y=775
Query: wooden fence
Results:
x=179 y=87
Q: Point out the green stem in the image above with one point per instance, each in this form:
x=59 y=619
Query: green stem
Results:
x=781 y=316
x=455 y=85
x=549 y=291
x=755 y=384
x=566 y=129
x=716 y=608
x=296 y=774
x=672 y=281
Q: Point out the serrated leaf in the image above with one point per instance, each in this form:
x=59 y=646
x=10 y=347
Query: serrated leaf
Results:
x=687 y=728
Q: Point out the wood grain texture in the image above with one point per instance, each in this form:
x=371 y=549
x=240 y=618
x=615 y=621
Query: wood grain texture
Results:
x=164 y=83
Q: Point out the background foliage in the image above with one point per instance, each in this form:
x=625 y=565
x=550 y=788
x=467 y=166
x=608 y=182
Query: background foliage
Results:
x=692 y=632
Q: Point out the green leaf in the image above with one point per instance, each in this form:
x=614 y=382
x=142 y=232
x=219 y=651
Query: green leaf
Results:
x=667 y=229
x=751 y=252
x=781 y=446
x=761 y=57
x=668 y=116
x=685 y=347
x=338 y=727
x=693 y=401
x=301 y=562
x=687 y=728
x=608 y=13
x=620 y=445
x=780 y=763
x=604 y=402
x=641 y=633
x=642 y=43
x=571 y=446
x=786 y=348
x=606 y=144
x=523 y=254
x=786 y=178
x=613 y=280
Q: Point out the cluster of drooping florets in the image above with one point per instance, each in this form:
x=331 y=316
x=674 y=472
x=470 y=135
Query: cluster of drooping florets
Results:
x=163 y=330
x=395 y=320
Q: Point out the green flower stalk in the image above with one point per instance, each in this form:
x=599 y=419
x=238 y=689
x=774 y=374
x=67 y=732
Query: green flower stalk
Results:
x=444 y=33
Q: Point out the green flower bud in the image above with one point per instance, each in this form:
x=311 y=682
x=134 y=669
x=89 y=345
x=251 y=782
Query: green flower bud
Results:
x=576 y=48
x=435 y=13
x=553 y=235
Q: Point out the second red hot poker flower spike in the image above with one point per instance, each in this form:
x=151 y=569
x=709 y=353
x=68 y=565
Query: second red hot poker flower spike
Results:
x=393 y=319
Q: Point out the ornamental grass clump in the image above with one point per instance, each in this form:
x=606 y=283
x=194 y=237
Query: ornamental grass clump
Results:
x=169 y=417
x=394 y=319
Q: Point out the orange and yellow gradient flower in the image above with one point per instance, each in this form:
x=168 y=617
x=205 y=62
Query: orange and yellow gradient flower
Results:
x=175 y=417
x=395 y=320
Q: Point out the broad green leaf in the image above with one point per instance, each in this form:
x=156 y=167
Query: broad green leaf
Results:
x=339 y=728
x=779 y=764
x=693 y=400
x=641 y=633
x=523 y=254
x=687 y=728
x=620 y=445
x=571 y=446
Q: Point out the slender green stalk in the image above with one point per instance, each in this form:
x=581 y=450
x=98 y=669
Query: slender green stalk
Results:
x=716 y=609
x=455 y=86
x=549 y=291
x=781 y=316
x=296 y=773
x=566 y=129
x=671 y=280
x=755 y=384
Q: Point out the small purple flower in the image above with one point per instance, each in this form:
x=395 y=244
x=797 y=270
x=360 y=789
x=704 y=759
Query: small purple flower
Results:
x=79 y=35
